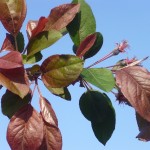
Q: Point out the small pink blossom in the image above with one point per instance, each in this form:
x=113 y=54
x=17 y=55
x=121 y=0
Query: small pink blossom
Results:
x=122 y=46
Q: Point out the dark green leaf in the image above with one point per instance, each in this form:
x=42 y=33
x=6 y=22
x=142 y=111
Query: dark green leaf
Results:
x=97 y=108
x=94 y=106
x=20 y=42
x=42 y=41
x=61 y=92
x=83 y=24
x=61 y=70
x=96 y=47
x=11 y=103
x=32 y=59
x=100 y=77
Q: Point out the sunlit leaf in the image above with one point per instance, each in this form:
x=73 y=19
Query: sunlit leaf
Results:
x=47 y=112
x=12 y=14
x=61 y=16
x=61 y=70
x=144 y=128
x=100 y=77
x=25 y=130
x=42 y=41
x=11 y=60
x=134 y=83
x=15 y=80
x=97 y=108
x=83 y=24
x=52 y=138
x=11 y=103
x=96 y=46
x=35 y=27
x=86 y=44
x=32 y=59
x=61 y=92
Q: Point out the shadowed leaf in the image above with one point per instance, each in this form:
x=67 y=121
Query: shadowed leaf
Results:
x=12 y=14
x=134 y=83
x=97 y=108
x=25 y=130
x=42 y=41
x=61 y=16
x=11 y=103
x=61 y=70
x=100 y=77
x=144 y=128
x=83 y=24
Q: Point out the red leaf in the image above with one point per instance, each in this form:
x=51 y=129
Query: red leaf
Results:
x=52 y=136
x=35 y=27
x=25 y=130
x=134 y=83
x=12 y=15
x=15 y=80
x=47 y=112
x=8 y=43
x=144 y=128
x=61 y=16
x=11 y=60
x=86 y=44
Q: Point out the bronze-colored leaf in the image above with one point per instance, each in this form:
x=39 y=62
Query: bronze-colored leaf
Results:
x=12 y=15
x=52 y=136
x=35 y=27
x=134 y=83
x=144 y=128
x=61 y=16
x=25 y=130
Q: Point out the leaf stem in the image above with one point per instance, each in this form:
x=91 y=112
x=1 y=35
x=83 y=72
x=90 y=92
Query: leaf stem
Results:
x=16 y=44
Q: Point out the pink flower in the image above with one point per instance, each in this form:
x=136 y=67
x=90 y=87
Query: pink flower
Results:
x=122 y=46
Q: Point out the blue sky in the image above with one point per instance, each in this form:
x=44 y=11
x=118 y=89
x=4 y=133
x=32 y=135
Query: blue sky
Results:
x=116 y=20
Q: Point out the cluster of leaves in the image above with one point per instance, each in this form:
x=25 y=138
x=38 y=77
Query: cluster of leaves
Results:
x=29 y=129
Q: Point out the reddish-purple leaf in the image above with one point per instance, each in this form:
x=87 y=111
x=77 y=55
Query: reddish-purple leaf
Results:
x=8 y=43
x=25 y=130
x=86 y=44
x=52 y=138
x=47 y=112
x=11 y=60
x=12 y=15
x=134 y=83
x=15 y=80
x=144 y=128
x=35 y=27
x=61 y=16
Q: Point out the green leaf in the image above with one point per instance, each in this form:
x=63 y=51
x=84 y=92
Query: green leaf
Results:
x=11 y=103
x=42 y=41
x=61 y=92
x=20 y=42
x=96 y=47
x=32 y=59
x=83 y=24
x=94 y=106
x=61 y=70
x=100 y=77
x=97 y=108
